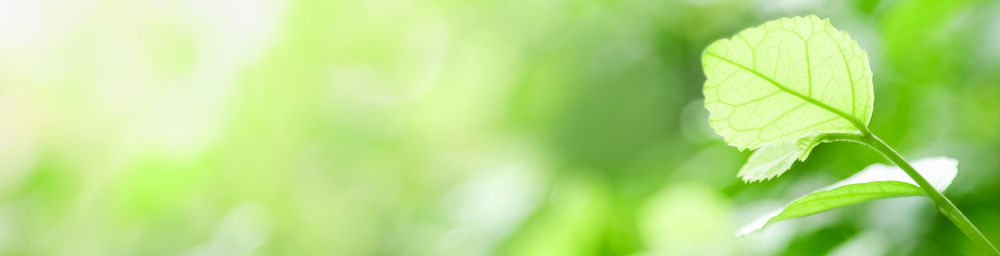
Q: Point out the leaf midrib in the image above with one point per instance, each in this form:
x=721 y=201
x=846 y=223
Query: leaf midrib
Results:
x=857 y=123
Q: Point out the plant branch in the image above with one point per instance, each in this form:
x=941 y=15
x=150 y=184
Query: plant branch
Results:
x=943 y=204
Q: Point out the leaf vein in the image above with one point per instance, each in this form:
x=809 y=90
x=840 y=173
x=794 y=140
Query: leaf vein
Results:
x=829 y=108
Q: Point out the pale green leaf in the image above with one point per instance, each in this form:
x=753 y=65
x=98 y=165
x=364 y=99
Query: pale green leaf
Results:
x=786 y=81
x=769 y=161
x=874 y=182
x=772 y=160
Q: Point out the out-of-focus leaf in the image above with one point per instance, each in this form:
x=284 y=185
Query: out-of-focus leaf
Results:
x=874 y=182
x=786 y=81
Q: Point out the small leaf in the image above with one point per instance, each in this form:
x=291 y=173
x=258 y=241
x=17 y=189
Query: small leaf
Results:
x=786 y=81
x=874 y=182
x=772 y=160
x=769 y=162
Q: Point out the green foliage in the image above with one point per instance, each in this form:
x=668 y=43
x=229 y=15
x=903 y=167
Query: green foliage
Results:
x=792 y=83
x=316 y=127
x=786 y=81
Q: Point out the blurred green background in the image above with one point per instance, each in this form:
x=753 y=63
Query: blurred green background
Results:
x=518 y=127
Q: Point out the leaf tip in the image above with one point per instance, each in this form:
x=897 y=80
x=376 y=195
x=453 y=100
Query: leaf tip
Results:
x=757 y=224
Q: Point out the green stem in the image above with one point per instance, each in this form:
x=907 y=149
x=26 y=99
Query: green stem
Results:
x=943 y=204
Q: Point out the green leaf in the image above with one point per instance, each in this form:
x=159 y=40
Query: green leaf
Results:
x=786 y=81
x=874 y=182
x=770 y=161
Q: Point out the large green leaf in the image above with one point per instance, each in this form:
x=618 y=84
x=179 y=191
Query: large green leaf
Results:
x=874 y=182
x=786 y=81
